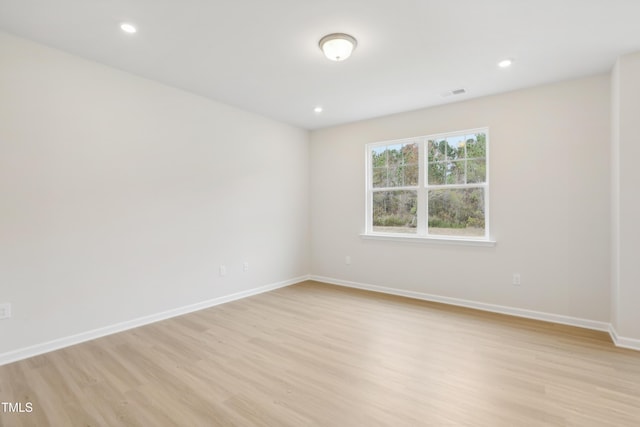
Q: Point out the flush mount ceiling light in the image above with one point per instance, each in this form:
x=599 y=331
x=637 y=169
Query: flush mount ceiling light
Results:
x=128 y=28
x=337 y=46
x=318 y=109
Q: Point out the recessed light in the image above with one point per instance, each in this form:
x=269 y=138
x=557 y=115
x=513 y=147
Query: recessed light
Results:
x=505 y=63
x=128 y=28
x=317 y=110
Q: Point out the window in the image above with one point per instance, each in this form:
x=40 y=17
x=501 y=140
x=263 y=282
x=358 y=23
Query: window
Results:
x=432 y=186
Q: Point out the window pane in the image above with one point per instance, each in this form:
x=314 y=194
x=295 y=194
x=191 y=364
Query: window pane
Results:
x=403 y=176
x=395 y=165
x=476 y=171
x=437 y=173
x=396 y=176
x=457 y=212
x=477 y=146
x=436 y=150
x=379 y=157
x=411 y=174
x=395 y=211
x=455 y=172
x=379 y=177
x=455 y=147
x=470 y=141
x=410 y=154
x=394 y=153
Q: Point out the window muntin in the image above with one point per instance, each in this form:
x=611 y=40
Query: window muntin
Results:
x=395 y=165
x=395 y=177
x=432 y=186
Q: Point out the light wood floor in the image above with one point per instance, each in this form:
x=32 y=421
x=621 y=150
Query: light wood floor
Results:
x=318 y=355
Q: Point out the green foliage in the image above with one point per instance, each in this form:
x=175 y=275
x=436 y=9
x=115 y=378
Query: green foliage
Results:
x=456 y=208
x=476 y=221
x=395 y=165
x=463 y=163
x=439 y=223
x=395 y=208
x=394 y=221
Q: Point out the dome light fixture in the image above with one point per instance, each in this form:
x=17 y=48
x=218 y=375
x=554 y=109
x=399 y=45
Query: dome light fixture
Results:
x=337 y=46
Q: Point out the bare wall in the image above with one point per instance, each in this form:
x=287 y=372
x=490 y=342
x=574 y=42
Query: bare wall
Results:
x=549 y=201
x=120 y=197
x=625 y=287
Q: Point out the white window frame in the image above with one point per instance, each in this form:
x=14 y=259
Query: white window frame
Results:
x=422 y=189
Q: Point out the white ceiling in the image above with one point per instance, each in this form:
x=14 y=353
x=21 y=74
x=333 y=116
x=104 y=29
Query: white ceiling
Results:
x=263 y=55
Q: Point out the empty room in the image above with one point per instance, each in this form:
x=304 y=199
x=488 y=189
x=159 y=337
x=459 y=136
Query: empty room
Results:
x=335 y=213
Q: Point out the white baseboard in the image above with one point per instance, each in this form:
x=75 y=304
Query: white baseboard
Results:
x=512 y=311
x=622 y=342
x=24 y=353
x=630 y=343
x=35 y=350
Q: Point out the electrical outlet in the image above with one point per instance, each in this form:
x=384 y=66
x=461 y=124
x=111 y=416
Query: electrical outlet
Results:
x=347 y=260
x=516 y=279
x=5 y=310
x=223 y=270
x=245 y=266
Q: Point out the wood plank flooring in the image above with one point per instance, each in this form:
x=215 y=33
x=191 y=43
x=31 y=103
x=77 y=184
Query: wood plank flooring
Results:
x=318 y=355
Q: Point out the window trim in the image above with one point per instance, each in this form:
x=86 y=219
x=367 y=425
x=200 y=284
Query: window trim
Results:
x=433 y=239
x=423 y=188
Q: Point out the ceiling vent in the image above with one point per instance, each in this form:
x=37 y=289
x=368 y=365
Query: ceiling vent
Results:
x=460 y=91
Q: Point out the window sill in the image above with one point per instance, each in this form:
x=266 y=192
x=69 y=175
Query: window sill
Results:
x=444 y=240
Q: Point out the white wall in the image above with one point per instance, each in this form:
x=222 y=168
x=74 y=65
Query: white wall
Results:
x=626 y=200
x=549 y=202
x=120 y=197
x=615 y=193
